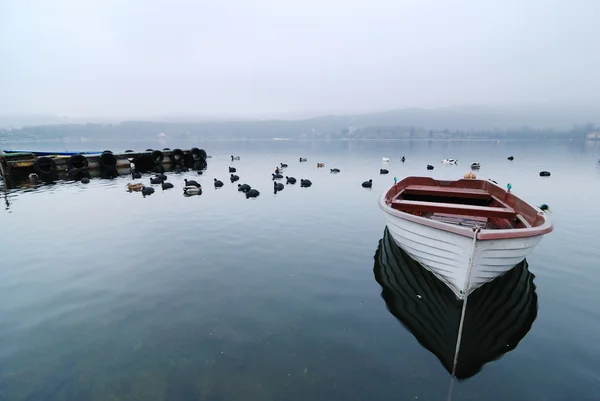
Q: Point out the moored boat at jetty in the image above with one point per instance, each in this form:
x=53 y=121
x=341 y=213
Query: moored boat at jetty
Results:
x=467 y=232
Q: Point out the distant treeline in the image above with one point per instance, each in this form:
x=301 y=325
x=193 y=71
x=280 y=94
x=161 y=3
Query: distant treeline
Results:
x=317 y=128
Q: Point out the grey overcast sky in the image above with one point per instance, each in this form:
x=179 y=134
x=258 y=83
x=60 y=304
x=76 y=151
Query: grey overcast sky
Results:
x=243 y=57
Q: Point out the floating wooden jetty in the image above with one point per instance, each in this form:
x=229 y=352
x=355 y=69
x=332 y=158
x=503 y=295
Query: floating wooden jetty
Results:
x=17 y=166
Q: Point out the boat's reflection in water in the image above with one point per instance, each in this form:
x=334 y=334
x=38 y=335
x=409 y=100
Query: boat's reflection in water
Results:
x=498 y=315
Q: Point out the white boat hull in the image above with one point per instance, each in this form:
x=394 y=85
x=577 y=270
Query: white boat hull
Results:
x=447 y=255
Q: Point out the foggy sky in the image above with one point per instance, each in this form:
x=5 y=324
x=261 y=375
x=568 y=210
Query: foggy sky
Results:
x=243 y=57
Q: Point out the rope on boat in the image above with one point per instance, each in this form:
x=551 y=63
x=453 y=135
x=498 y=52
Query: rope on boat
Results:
x=463 y=312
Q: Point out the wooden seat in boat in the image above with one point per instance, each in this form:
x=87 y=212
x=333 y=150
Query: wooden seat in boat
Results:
x=447 y=191
x=455 y=209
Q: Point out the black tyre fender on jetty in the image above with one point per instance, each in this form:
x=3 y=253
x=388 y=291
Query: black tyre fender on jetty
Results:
x=45 y=167
x=77 y=161
x=107 y=159
x=177 y=155
x=157 y=156
x=198 y=154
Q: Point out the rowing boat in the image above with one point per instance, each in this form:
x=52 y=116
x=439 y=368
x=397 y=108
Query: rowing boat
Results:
x=467 y=232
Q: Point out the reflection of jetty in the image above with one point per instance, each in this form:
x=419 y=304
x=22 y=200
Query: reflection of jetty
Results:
x=499 y=314
x=17 y=165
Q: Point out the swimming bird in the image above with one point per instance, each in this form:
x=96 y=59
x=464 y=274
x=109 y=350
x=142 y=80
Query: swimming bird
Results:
x=191 y=183
x=200 y=172
x=147 y=191
x=367 y=184
x=511 y=158
x=283 y=165
x=166 y=185
x=305 y=183
x=234 y=158
x=135 y=187
x=244 y=187
x=302 y=159
x=385 y=159
x=545 y=208
x=85 y=180
x=495 y=182
x=278 y=186
x=450 y=161
x=475 y=166
x=429 y=167
x=234 y=178
x=277 y=176
x=232 y=169
x=290 y=180
x=33 y=177
x=383 y=171
x=136 y=175
x=218 y=183
x=320 y=165
x=403 y=159
x=161 y=176
x=192 y=190
x=544 y=174
x=334 y=170
x=253 y=193
x=155 y=180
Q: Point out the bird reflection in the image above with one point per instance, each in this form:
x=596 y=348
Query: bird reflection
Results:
x=499 y=314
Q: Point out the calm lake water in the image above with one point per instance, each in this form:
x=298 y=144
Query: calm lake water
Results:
x=107 y=295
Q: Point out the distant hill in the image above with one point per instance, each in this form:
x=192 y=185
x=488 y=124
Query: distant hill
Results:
x=462 y=121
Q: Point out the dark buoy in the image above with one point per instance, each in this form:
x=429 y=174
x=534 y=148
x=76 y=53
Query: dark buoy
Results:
x=367 y=184
x=290 y=180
